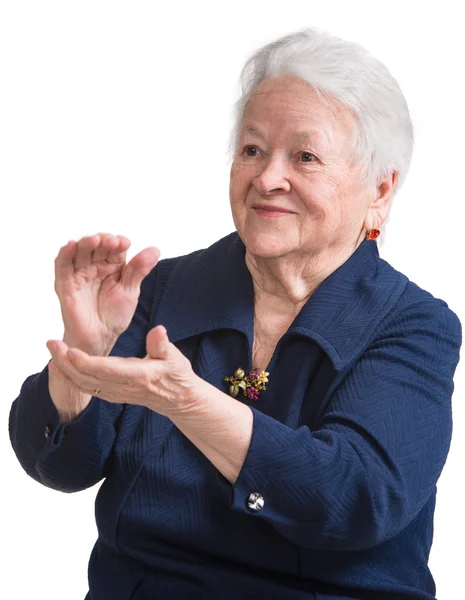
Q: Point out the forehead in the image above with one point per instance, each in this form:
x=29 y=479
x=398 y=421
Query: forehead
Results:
x=290 y=106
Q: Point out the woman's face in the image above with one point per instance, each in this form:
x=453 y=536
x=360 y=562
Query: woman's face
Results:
x=294 y=155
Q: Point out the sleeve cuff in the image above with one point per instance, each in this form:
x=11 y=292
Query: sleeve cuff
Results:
x=248 y=494
x=45 y=414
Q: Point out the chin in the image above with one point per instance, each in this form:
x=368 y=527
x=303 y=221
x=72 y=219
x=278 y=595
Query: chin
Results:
x=266 y=245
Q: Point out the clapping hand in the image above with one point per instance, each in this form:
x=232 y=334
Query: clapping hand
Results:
x=163 y=380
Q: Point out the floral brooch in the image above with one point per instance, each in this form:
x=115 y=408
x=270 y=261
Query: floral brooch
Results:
x=251 y=385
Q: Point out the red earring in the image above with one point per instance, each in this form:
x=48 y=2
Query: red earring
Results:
x=372 y=234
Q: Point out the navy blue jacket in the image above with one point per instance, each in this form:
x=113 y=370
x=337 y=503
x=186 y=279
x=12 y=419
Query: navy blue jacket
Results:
x=349 y=440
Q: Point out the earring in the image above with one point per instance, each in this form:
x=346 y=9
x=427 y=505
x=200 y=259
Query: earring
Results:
x=372 y=234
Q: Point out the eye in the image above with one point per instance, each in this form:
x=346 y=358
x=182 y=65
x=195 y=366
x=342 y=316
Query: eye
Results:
x=306 y=155
x=247 y=148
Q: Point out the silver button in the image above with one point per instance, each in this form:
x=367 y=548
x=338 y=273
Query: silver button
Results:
x=47 y=431
x=255 y=501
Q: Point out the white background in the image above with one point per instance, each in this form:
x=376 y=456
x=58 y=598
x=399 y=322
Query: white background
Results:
x=114 y=117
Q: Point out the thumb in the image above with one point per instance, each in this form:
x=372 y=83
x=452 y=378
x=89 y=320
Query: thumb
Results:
x=157 y=343
x=139 y=267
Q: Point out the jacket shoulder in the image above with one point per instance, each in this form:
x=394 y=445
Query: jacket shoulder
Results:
x=415 y=301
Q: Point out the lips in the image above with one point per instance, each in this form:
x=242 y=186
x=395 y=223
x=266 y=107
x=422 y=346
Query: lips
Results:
x=269 y=208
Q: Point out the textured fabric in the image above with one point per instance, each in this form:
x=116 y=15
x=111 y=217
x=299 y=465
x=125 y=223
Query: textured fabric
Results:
x=349 y=440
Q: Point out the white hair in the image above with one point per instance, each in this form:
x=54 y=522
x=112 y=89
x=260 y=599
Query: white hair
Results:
x=383 y=138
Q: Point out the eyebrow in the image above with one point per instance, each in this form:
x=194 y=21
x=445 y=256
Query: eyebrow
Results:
x=304 y=136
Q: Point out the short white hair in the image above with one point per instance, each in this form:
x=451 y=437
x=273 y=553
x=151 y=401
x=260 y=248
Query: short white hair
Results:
x=383 y=140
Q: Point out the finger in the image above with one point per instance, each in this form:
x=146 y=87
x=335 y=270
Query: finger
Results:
x=64 y=266
x=117 y=255
x=139 y=267
x=86 y=246
x=52 y=367
x=107 y=243
x=157 y=343
x=92 y=366
x=112 y=248
x=85 y=382
x=115 y=369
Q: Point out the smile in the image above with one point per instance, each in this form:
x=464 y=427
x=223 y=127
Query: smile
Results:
x=271 y=214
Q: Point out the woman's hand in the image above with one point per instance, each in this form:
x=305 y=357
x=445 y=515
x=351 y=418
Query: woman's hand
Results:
x=98 y=295
x=164 y=380
x=98 y=291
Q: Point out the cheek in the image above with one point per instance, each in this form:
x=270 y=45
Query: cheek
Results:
x=330 y=199
x=334 y=184
x=320 y=194
x=239 y=184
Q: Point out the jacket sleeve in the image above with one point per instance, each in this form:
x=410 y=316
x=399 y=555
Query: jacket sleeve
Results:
x=74 y=456
x=380 y=446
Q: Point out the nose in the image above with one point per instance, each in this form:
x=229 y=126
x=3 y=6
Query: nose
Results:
x=273 y=178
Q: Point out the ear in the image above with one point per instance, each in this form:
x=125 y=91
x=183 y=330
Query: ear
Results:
x=384 y=191
x=380 y=205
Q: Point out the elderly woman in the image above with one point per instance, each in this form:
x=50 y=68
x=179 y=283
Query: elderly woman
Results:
x=270 y=414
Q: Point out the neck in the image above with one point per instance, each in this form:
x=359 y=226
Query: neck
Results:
x=282 y=285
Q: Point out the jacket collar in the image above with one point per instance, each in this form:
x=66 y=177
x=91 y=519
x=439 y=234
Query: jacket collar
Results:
x=212 y=289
